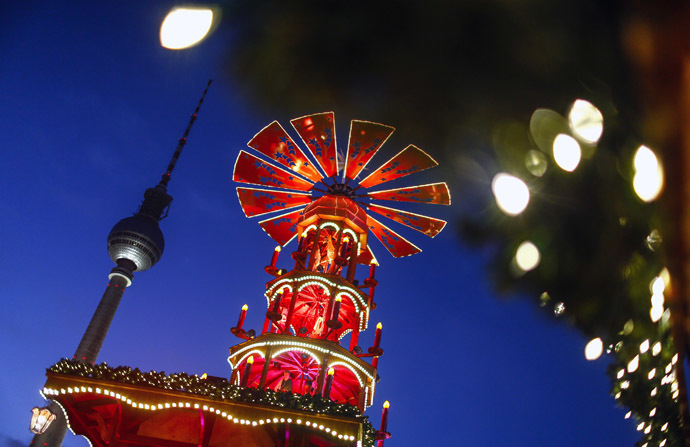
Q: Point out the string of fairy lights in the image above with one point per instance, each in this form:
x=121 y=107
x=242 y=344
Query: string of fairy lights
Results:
x=212 y=389
x=643 y=367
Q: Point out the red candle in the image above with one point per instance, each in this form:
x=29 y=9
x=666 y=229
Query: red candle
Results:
x=336 y=308
x=247 y=370
x=372 y=269
x=344 y=246
x=276 y=302
x=274 y=259
x=243 y=314
x=375 y=362
x=329 y=384
x=377 y=335
x=384 y=416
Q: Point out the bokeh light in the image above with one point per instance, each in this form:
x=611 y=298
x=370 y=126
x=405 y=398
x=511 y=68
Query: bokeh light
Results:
x=649 y=174
x=536 y=163
x=527 y=256
x=586 y=121
x=185 y=27
x=655 y=313
x=566 y=152
x=511 y=193
x=593 y=349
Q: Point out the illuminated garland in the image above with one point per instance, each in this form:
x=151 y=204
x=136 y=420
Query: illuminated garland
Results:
x=214 y=390
x=594 y=255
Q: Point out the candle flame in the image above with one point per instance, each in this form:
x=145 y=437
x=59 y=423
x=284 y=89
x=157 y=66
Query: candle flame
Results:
x=204 y=376
x=373 y=262
x=386 y=404
x=331 y=371
x=379 y=326
x=245 y=307
x=250 y=360
x=339 y=299
x=278 y=248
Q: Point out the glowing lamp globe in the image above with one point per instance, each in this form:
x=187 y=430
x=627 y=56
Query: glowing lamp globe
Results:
x=185 y=27
x=41 y=418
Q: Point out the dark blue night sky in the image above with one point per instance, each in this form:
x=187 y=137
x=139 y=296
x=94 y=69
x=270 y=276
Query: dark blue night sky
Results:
x=91 y=110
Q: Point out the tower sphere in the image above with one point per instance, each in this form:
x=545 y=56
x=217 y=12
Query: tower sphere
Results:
x=137 y=238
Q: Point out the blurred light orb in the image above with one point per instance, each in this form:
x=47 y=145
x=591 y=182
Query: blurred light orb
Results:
x=586 y=121
x=593 y=349
x=649 y=175
x=527 y=256
x=644 y=346
x=511 y=193
x=656 y=349
x=535 y=162
x=633 y=364
x=185 y=27
x=655 y=313
x=566 y=152
x=559 y=309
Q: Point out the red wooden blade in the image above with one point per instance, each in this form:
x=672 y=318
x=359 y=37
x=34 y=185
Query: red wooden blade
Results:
x=397 y=245
x=282 y=228
x=276 y=144
x=436 y=193
x=366 y=256
x=255 y=202
x=318 y=133
x=424 y=224
x=408 y=161
x=365 y=140
x=253 y=170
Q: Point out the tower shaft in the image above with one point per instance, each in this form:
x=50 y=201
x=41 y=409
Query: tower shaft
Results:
x=92 y=340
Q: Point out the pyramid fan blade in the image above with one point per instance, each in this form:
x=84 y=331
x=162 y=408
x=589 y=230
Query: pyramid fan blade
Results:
x=436 y=193
x=408 y=161
x=365 y=140
x=282 y=228
x=366 y=256
x=318 y=133
x=256 y=202
x=276 y=144
x=424 y=224
x=396 y=244
x=253 y=170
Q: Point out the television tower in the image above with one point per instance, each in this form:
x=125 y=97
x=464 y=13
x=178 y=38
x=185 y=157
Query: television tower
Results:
x=135 y=244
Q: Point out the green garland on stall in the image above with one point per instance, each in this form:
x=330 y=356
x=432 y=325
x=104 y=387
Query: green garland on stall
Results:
x=216 y=390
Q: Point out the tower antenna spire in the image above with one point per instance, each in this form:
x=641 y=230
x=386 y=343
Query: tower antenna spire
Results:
x=165 y=178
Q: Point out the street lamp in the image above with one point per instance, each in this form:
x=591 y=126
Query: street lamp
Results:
x=41 y=420
x=185 y=27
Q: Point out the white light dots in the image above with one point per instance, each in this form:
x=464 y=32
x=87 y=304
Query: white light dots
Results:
x=185 y=27
x=586 y=121
x=649 y=175
x=511 y=193
x=594 y=349
x=655 y=313
x=656 y=349
x=566 y=152
x=527 y=256
x=644 y=346
x=625 y=385
x=167 y=405
x=620 y=374
x=651 y=374
x=633 y=364
x=627 y=415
